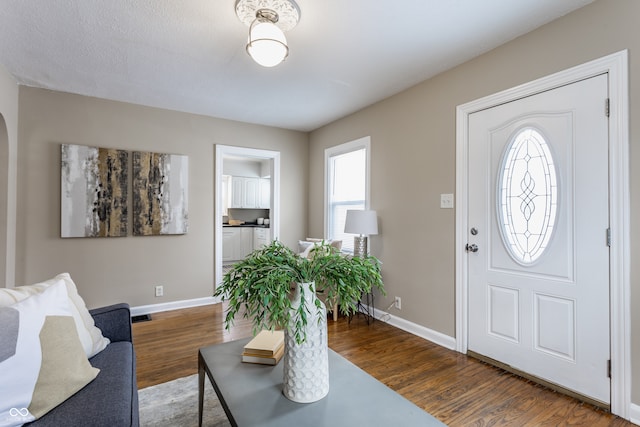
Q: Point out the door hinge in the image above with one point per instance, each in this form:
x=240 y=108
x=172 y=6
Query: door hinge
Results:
x=609 y=237
x=606 y=107
x=609 y=368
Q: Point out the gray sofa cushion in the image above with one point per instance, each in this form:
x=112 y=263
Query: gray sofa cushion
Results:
x=109 y=400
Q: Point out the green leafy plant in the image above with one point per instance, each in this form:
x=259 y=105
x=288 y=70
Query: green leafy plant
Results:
x=260 y=286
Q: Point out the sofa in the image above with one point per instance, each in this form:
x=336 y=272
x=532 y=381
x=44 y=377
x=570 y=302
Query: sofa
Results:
x=111 y=399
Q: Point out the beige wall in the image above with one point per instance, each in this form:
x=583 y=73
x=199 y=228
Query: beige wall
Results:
x=8 y=156
x=413 y=157
x=109 y=270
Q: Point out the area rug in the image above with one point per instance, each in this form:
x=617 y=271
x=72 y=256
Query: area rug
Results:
x=175 y=404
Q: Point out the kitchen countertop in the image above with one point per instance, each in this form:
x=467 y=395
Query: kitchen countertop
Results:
x=247 y=225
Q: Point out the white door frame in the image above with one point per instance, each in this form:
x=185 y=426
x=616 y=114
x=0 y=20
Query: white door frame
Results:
x=616 y=65
x=274 y=214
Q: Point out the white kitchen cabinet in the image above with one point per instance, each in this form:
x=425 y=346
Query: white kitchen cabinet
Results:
x=251 y=193
x=265 y=193
x=245 y=192
x=246 y=241
x=237 y=192
x=237 y=243
x=261 y=237
x=230 y=243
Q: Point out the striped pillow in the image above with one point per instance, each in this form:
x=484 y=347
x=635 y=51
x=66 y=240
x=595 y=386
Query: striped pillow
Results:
x=42 y=362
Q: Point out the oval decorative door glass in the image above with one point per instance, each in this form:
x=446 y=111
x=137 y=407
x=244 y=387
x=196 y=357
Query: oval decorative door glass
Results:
x=527 y=196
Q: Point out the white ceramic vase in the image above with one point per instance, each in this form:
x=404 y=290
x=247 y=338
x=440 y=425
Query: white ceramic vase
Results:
x=306 y=365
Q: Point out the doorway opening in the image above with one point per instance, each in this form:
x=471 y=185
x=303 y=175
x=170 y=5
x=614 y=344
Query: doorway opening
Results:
x=230 y=164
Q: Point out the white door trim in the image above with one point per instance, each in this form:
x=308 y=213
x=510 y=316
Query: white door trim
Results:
x=616 y=65
x=274 y=215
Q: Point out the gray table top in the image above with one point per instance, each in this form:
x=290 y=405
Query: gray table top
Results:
x=253 y=395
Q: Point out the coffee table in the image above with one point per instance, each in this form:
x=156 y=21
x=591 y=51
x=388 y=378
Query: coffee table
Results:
x=251 y=394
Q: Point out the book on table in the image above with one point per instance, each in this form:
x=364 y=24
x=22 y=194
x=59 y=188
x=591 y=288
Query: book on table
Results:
x=267 y=347
x=264 y=360
x=266 y=343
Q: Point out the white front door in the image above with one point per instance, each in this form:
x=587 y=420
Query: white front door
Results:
x=538 y=220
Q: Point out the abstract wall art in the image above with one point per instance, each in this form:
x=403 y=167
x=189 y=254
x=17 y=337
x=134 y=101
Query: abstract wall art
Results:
x=160 y=193
x=93 y=191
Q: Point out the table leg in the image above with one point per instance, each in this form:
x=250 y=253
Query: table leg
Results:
x=200 y=388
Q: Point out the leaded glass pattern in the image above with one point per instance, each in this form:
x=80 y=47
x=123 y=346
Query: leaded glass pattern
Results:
x=527 y=196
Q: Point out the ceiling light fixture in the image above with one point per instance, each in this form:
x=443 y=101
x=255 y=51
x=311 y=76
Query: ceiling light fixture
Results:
x=267 y=21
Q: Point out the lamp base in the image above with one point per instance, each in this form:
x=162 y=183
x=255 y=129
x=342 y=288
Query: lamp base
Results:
x=360 y=246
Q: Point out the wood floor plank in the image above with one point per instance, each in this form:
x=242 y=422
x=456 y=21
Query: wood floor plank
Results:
x=458 y=390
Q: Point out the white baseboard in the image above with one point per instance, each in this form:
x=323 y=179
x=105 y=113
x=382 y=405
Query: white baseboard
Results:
x=634 y=414
x=173 y=305
x=415 y=329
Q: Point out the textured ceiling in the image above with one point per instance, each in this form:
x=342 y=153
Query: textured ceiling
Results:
x=189 y=55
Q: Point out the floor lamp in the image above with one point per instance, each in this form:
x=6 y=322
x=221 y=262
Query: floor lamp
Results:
x=362 y=223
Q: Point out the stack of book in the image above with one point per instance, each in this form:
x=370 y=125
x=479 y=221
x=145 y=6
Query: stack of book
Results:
x=265 y=348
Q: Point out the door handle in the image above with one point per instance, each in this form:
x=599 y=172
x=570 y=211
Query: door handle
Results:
x=471 y=248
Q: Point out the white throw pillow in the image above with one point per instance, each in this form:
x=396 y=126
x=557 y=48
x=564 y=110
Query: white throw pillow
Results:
x=90 y=336
x=335 y=243
x=304 y=248
x=42 y=362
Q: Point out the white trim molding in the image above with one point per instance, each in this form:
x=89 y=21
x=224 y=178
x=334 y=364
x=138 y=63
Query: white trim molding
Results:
x=616 y=67
x=173 y=305
x=413 y=328
x=634 y=414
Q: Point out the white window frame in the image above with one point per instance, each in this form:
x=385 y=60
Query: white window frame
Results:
x=347 y=147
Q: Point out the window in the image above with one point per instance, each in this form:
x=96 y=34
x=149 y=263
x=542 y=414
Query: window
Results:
x=346 y=186
x=528 y=196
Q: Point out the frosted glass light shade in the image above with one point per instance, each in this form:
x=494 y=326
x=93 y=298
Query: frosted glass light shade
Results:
x=267 y=44
x=361 y=222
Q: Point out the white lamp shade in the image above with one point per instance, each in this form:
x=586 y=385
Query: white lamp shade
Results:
x=267 y=44
x=361 y=222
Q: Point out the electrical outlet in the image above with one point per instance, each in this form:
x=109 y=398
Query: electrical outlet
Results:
x=397 y=302
x=159 y=290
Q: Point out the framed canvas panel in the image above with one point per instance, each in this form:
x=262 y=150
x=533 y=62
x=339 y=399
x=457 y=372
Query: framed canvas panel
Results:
x=94 y=183
x=160 y=193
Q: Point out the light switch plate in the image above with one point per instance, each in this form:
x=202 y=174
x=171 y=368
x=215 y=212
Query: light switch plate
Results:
x=446 y=201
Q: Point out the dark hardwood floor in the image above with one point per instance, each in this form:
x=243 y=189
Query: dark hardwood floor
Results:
x=458 y=390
